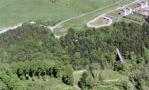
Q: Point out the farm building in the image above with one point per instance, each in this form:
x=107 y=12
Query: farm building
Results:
x=125 y=11
x=145 y=13
x=106 y=20
x=142 y=8
x=142 y=4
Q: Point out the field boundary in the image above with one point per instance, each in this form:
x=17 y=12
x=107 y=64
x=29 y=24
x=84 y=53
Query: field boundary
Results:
x=5 y=29
x=107 y=13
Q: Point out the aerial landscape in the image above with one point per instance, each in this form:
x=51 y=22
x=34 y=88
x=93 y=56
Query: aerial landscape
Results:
x=74 y=44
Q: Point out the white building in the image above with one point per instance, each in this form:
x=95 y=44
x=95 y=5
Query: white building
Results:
x=142 y=4
x=125 y=11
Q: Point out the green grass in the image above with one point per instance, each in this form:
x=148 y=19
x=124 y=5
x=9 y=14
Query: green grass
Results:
x=16 y=11
x=80 y=23
x=109 y=75
x=106 y=75
x=135 y=17
x=108 y=87
x=39 y=84
x=130 y=18
x=115 y=13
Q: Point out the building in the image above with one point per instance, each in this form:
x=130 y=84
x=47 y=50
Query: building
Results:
x=142 y=8
x=125 y=11
x=142 y=4
x=106 y=20
x=145 y=13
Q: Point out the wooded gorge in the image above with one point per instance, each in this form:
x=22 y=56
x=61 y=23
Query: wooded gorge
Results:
x=32 y=52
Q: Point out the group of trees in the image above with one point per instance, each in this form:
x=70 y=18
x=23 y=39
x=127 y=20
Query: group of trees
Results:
x=28 y=69
x=93 y=46
x=40 y=69
x=33 y=70
x=88 y=47
x=31 y=42
x=31 y=52
x=8 y=81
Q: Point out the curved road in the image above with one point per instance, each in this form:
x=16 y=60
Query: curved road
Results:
x=5 y=29
x=76 y=17
x=88 y=24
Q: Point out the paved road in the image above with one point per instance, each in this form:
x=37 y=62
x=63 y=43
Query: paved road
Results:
x=76 y=17
x=89 y=25
x=5 y=29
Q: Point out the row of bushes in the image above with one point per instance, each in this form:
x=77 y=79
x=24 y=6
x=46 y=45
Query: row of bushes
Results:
x=28 y=69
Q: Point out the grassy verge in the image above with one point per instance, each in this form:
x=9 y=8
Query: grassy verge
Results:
x=16 y=11
x=80 y=23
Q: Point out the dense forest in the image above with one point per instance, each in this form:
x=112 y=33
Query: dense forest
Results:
x=31 y=53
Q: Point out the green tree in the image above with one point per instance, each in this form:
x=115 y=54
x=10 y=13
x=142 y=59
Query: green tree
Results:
x=67 y=77
x=86 y=81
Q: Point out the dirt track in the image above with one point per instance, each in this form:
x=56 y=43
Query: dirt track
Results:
x=5 y=29
x=99 y=26
x=92 y=26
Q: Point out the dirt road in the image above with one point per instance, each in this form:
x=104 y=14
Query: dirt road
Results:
x=5 y=29
x=103 y=15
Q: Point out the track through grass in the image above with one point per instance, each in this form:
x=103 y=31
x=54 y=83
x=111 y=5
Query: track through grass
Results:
x=16 y=11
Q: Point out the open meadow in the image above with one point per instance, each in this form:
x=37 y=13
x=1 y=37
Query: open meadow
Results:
x=74 y=45
x=16 y=11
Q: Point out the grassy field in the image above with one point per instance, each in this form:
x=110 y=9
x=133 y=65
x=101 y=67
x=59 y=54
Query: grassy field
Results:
x=115 y=13
x=80 y=23
x=106 y=75
x=39 y=84
x=130 y=18
x=135 y=17
x=16 y=11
